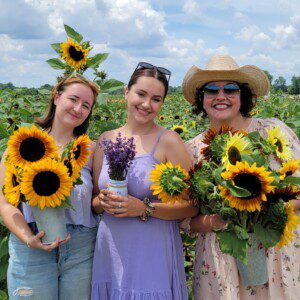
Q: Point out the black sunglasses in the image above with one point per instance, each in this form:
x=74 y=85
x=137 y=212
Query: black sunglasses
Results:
x=229 y=89
x=145 y=65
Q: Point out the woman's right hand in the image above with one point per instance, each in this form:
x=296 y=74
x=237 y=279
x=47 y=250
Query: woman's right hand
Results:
x=35 y=242
x=207 y=223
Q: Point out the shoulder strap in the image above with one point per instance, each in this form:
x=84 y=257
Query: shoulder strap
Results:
x=157 y=140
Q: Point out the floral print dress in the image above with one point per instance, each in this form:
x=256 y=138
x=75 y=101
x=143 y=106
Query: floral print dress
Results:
x=215 y=273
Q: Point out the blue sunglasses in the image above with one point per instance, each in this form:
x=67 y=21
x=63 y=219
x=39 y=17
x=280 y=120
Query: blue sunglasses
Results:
x=229 y=89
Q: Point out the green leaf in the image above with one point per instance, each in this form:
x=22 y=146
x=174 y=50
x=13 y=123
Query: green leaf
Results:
x=3 y=246
x=292 y=180
x=56 y=47
x=73 y=34
x=56 y=63
x=241 y=232
x=237 y=191
x=3 y=295
x=96 y=60
x=268 y=237
x=110 y=85
x=229 y=243
x=254 y=136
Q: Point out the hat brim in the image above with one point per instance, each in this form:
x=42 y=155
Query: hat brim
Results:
x=195 y=78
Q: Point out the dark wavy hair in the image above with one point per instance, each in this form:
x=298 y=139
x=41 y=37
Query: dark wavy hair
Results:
x=47 y=121
x=149 y=73
x=248 y=100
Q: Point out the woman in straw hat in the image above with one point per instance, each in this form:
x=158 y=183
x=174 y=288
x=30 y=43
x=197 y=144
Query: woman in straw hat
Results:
x=226 y=93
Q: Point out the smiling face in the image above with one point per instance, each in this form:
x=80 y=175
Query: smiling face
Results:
x=144 y=99
x=222 y=107
x=73 y=105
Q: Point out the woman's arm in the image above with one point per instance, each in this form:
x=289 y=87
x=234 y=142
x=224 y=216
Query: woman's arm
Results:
x=96 y=167
x=15 y=221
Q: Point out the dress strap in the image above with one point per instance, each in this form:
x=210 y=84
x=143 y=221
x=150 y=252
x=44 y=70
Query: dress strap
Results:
x=157 y=140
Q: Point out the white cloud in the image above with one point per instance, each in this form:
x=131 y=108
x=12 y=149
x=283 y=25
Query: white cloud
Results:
x=286 y=37
x=192 y=9
x=240 y=16
x=8 y=44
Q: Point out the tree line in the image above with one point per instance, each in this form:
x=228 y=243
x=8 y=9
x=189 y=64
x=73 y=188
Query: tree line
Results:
x=279 y=84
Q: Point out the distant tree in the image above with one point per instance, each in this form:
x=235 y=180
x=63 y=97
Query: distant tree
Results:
x=294 y=88
x=269 y=76
x=280 y=84
x=9 y=86
x=47 y=87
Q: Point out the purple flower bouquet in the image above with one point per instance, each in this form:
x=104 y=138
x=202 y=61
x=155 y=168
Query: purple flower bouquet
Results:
x=119 y=156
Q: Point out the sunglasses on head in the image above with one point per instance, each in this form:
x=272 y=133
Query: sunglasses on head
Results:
x=145 y=65
x=229 y=89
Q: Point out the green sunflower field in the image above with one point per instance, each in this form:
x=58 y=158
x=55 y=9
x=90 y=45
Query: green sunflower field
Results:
x=20 y=107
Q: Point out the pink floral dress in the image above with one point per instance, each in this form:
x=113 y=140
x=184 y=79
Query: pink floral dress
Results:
x=215 y=273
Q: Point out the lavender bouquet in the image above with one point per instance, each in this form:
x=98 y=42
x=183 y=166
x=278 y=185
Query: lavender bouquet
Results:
x=119 y=155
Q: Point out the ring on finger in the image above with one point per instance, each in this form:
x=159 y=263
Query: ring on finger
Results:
x=120 y=205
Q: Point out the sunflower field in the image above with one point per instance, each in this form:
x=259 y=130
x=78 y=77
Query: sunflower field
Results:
x=20 y=107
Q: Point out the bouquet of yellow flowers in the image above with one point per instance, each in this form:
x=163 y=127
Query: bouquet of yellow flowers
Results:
x=37 y=174
x=236 y=181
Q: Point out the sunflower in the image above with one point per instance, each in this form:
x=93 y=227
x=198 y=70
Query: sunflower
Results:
x=29 y=145
x=74 y=54
x=80 y=151
x=252 y=178
x=162 y=118
x=46 y=183
x=286 y=194
x=179 y=129
x=278 y=139
x=289 y=168
x=236 y=145
x=169 y=182
x=292 y=221
x=11 y=186
x=212 y=138
x=73 y=169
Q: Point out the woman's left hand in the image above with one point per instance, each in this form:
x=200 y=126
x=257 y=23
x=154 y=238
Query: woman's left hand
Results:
x=121 y=207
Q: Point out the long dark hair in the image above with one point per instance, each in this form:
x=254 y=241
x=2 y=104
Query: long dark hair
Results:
x=47 y=121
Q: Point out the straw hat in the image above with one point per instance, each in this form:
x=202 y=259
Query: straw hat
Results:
x=223 y=67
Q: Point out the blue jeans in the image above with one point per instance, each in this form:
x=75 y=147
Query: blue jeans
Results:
x=64 y=273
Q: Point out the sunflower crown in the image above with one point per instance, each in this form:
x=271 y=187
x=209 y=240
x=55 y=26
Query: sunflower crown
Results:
x=37 y=174
x=74 y=57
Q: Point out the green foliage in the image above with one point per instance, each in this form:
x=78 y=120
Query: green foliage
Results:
x=3 y=259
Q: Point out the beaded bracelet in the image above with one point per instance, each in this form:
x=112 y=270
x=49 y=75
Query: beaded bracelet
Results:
x=149 y=210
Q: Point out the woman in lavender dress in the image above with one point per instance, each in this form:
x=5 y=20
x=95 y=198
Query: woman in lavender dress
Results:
x=137 y=259
x=61 y=270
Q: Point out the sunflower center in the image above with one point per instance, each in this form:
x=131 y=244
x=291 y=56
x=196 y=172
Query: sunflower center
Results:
x=14 y=180
x=279 y=145
x=46 y=183
x=289 y=173
x=179 y=130
x=77 y=152
x=249 y=182
x=75 y=54
x=234 y=155
x=32 y=149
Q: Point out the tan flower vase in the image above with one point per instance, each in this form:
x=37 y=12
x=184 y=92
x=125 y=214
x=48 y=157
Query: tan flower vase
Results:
x=255 y=272
x=52 y=221
x=118 y=186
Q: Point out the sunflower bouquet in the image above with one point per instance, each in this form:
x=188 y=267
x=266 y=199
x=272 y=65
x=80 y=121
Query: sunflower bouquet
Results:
x=236 y=181
x=37 y=174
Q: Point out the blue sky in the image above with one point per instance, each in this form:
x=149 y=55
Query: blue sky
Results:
x=172 y=34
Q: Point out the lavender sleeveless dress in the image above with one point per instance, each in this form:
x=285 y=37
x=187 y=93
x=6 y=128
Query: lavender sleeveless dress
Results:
x=137 y=260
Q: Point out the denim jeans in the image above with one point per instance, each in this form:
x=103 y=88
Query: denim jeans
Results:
x=64 y=273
